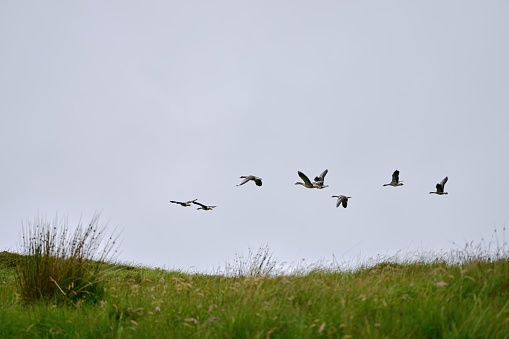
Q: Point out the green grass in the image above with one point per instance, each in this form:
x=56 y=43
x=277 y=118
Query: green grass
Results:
x=63 y=285
x=388 y=300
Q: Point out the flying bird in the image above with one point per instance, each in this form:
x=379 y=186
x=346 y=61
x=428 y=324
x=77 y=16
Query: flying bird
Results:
x=183 y=203
x=307 y=183
x=342 y=200
x=395 y=180
x=440 y=187
x=203 y=207
x=319 y=180
x=257 y=181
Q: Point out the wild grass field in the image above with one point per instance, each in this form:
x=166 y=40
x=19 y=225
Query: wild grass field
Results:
x=467 y=297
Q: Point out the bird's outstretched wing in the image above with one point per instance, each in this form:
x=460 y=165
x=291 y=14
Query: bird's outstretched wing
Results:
x=246 y=179
x=304 y=178
x=199 y=204
x=395 y=176
x=338 y=202
x=345 y=202
x=321 y=177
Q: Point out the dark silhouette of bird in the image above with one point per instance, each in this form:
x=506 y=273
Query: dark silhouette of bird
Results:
x=307 y=183
x=204 y=207
x=183 y=203
x=257 y=181
x=395 y=180
x=319 y=180
x=342 y=200
x=440 y=187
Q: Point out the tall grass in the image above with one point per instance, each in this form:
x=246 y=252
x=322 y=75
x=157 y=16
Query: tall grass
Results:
x=494 y=249
x=261 y=263
x=63 y=265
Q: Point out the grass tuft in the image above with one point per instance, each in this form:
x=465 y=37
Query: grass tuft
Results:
x=59 y=264
x=261 y=263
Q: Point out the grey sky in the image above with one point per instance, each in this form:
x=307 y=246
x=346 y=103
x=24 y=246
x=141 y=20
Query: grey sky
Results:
x=123 y=106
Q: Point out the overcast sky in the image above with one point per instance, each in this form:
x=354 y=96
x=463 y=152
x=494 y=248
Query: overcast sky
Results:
x=122 y=106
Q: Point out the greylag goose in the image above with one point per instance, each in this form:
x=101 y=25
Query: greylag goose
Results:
x=395 y=180
x=204 y=207
x=319 y=180
x=183 y=203
x=440 y=187
x=307 y=183
x=257 y=181
x=342 y=200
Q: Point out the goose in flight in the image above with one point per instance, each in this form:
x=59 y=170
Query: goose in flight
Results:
x=440 y=187
x=183 y=203
x=341 y=200
x=319 y=180
x=257 y=181
x=307 y=183
x=203 y=207
x=395 y=180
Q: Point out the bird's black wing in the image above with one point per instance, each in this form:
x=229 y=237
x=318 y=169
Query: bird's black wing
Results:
x=395 y=176
x=246 y=179
x=199 y=204
x=321 y=177
x=345 y=202
x=304 y=178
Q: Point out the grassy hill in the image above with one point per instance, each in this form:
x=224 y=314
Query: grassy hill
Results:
x=388 y=300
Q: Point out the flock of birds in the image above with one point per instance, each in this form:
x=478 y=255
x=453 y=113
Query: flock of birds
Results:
x=318 y=182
